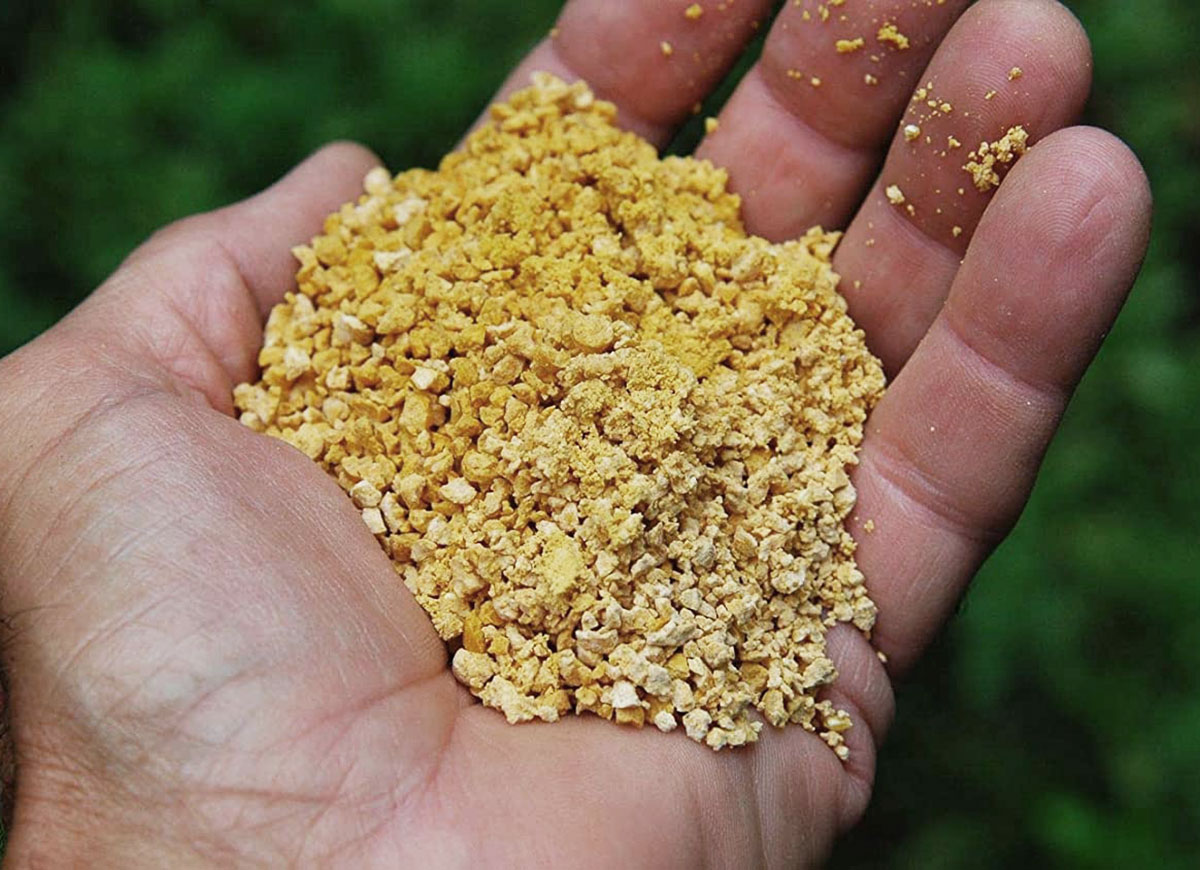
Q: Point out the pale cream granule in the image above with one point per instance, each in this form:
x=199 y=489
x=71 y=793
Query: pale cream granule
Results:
x=602 y=433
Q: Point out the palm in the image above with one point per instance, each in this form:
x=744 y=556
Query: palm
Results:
x=206 y=628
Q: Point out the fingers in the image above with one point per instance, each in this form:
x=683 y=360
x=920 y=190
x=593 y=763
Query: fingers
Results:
x=953 y=448
x=802 y=134
x=656 y=61
x=899 y=259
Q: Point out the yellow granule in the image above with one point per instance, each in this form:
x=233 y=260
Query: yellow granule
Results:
x=888 y=33
x=602 y=433
x=985 y=162
x=846 y=46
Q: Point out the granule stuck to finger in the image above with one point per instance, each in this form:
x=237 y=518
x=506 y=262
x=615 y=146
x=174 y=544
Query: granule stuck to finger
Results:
x=603 y=434
x=986 y=163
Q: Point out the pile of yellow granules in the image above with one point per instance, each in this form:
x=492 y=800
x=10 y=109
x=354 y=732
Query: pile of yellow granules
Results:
x=601 y=432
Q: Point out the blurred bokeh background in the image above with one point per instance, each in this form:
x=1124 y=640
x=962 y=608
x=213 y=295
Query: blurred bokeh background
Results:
x=1057 y=721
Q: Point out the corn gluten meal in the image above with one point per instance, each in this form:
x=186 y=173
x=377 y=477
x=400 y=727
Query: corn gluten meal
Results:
x=986 y=162
x=602 y=433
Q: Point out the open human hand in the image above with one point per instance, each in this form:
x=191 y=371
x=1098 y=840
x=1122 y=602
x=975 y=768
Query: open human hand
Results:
x=212 y=662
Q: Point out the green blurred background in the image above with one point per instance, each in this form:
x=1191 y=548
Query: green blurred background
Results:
x=1057 y=721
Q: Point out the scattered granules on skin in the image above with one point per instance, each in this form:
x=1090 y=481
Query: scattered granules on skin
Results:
x=666 y=48
x=602 y=433
x=815 y=81
x=894 y=194
x=889 y=34
x=870 y=79
x=711 y=125
x=911 y=132
x=693 y=12
x=846 y=46
x=1015 y=73
x=869 y=526
x=985 y=162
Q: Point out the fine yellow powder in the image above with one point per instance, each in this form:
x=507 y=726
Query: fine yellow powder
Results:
x=602 y=433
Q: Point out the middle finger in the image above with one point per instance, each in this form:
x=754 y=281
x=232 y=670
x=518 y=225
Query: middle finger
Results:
x=1005 y=63
x=806 y=128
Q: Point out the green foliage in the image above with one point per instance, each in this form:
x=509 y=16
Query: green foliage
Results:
x=1056 y=721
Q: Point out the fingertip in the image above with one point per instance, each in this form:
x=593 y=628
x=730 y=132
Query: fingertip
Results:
x=1102 y=154
x=317 y=185
x=1048 y=45
x=863 y=679
x=1081 y=195
x=261 y=231
x=1118 y=175
x=342 y=160
x=221 y=272
x=1070 y=61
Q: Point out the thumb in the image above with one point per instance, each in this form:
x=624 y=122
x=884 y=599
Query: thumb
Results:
x=186 y=309
x=183 y=313
x=123 y=509
x=201 y=611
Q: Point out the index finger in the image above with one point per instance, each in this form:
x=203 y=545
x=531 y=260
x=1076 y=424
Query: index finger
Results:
x=655 y=61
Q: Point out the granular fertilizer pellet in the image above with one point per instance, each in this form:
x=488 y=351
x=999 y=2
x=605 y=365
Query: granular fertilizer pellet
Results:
x=602 y=433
